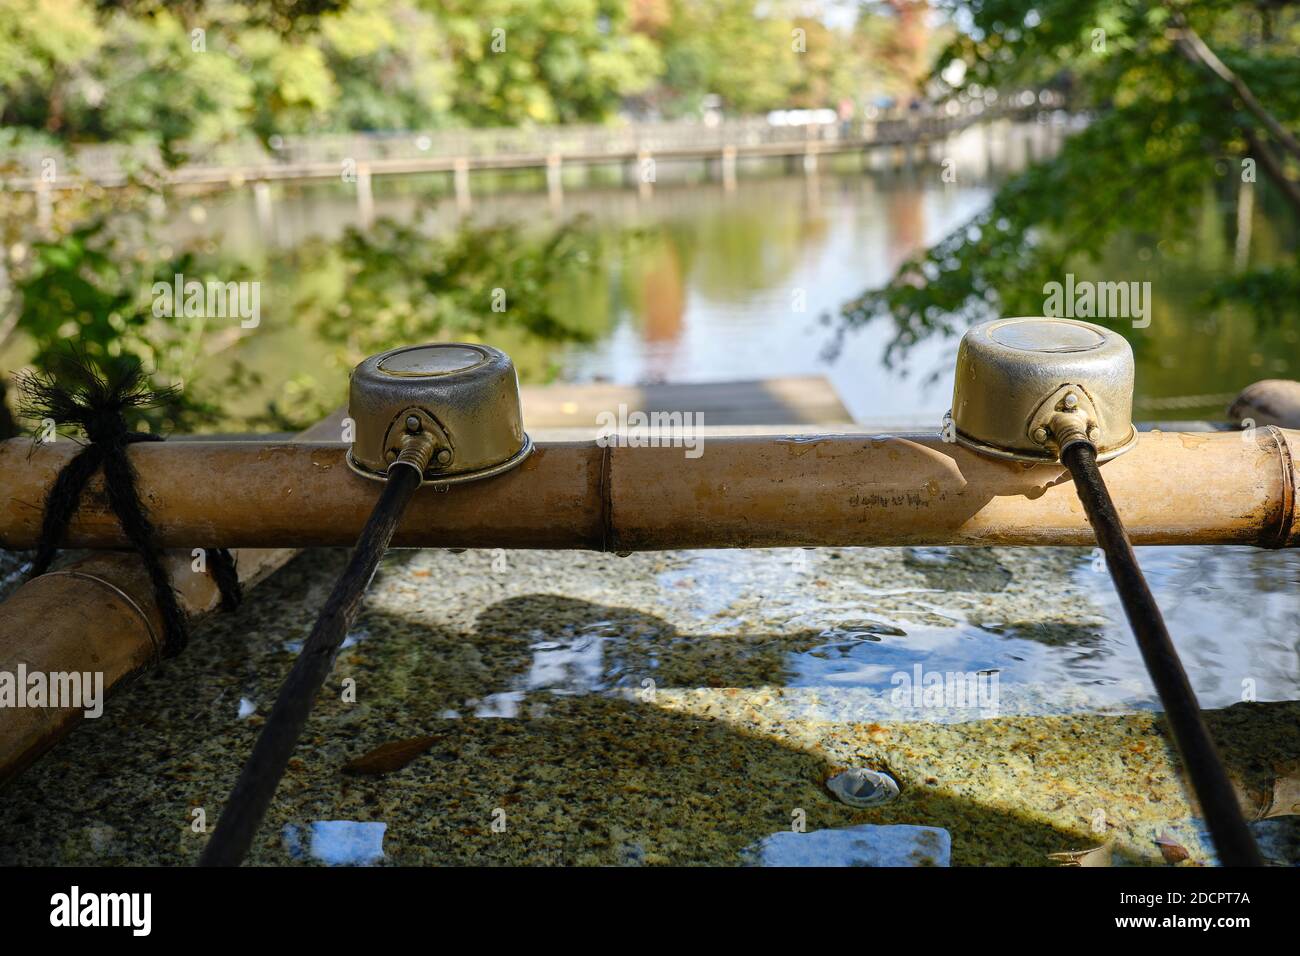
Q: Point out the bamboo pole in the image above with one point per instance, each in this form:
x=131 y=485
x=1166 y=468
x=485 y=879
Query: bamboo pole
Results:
x=741 y=492
x=97 y=616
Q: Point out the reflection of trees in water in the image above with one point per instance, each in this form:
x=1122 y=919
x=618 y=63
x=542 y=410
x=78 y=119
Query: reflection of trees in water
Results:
x=1199 y=340
x=327 y=303
x=1194 y=345
x=662 y=294
x=735 y=249
x=526 y=291
x=906 y=225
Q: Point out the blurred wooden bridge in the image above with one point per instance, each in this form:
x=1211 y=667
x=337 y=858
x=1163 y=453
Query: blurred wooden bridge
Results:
x=801 y=139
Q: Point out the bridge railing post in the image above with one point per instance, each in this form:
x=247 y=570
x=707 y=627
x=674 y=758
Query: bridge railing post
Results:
x=729 y=168
x=460 y=182
x=262 y=203
x=365 y=197
x=555 y=178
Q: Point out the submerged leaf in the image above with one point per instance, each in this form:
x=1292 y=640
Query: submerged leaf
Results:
x=391 y=756
x=1171 y=849
x=1097 y=856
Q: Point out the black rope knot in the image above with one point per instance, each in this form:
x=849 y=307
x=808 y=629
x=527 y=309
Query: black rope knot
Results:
x=74 y=393
x=107 y=426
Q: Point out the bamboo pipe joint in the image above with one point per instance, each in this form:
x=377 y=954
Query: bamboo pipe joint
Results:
x=449 y=410
x=1027 y=388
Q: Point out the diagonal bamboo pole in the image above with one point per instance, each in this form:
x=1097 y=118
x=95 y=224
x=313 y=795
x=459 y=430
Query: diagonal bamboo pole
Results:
x=97 y=615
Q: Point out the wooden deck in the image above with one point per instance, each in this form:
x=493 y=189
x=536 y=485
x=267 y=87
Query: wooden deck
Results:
x=805 y=400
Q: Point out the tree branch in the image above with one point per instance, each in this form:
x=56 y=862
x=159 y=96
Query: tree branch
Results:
x=1273 y=167
x=1192 y=47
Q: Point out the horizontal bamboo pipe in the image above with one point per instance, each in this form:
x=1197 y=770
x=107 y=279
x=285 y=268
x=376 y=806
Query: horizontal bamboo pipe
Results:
x=751 y=492
x=98 y=615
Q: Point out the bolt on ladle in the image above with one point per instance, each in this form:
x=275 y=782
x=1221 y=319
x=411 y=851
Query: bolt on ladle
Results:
x=1049 y=390
x=429 y=414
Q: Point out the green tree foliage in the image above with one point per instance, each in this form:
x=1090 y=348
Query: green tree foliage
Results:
x=1165 y=131
x=400 y=283
x=335 y=300
x=388 y=60
x=206 y=71
x=153 y=84
x=292 y=86
x=545 y=61
x=92 y=286
x=42 y=43
x=720 y=47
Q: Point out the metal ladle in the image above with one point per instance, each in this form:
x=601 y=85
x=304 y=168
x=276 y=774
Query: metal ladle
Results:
x=436 y=414
x=1048 y=390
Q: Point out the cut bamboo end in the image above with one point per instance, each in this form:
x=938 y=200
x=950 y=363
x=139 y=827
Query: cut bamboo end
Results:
x=1272 y=401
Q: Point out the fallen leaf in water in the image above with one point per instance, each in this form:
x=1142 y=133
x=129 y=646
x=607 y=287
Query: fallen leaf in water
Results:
x=391 y=756
x=1097 y=856
x=1171 y=849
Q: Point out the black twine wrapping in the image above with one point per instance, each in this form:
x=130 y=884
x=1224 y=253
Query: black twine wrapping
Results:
x=75 y=393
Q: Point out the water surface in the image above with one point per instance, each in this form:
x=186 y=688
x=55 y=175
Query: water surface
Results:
x=678 y=708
